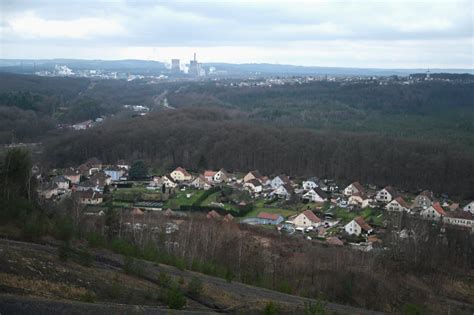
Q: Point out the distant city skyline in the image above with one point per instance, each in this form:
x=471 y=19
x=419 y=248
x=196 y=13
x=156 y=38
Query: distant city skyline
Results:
x=364 y=34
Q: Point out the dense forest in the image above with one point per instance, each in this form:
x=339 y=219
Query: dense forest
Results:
x=427 y=110
x=223 y=139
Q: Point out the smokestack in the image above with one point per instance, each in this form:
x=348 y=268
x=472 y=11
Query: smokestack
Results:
x=194 y=56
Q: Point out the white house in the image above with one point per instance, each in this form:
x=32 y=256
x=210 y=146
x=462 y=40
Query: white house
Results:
x=310 y=184
x=253 y=186
x=220 y=176
x=279 y=180
x=433 y=212
x=386 y=195
x=168 y=181
x=359 y=199
x=424 y=200
x=397 y=204
x=201 y=183
x=353 y=188
x=469 y=207
x=180 y=175
x=315 y=195
x=306 y=219
x=283 y=191
x=357 y=227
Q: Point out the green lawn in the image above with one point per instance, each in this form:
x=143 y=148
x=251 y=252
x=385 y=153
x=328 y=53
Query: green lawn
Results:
x=180 y=199
x=260 y=207
x=368 y=214
x=213 y=198
x=130 y=194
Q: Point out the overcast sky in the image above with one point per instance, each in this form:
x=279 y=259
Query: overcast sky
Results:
x=359 y=33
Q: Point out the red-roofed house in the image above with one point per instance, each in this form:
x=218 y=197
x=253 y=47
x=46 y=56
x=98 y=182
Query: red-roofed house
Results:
x=306 y=219
x=269 y=218
x=434 y=212
x=398 y=204
x=209 y=175
x=357 y=227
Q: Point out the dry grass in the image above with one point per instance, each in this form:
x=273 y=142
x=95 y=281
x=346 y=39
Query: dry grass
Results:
x=42 y=288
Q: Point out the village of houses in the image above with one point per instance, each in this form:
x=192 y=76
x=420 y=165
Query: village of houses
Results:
x=312 y=208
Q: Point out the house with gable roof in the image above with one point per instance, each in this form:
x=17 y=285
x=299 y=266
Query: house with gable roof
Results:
x=306 y=219
x=253 y=175
x=201 y=182
x=386 y=194
x=315 y=195
x=180 y=174
x=424 y=200
x=469 y=207
x=433 y=212
x=398 y=204
x=357 y=227
x=269 y=218
x=279 y=180
x=353 y=188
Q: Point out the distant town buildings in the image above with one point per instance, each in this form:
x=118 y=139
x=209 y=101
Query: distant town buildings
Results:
x=195 y=68
x=175 y=66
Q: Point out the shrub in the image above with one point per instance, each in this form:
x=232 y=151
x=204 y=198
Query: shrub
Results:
x=270 y=309
x=124 y=248
x=229 y=275
x=85 y=258
x=88 y=297
x=132 y=267
x=284 y=287
x=95 y=240
x=317 y=308
x=195 y=286
x=164 y=279
x=114 y=291
x=175 y=299
x=413 y=309
x=64 y=229
x=64 y=252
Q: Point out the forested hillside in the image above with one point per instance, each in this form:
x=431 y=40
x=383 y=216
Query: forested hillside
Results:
x=428 y=110
x=222 y=139
x=30 y=106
